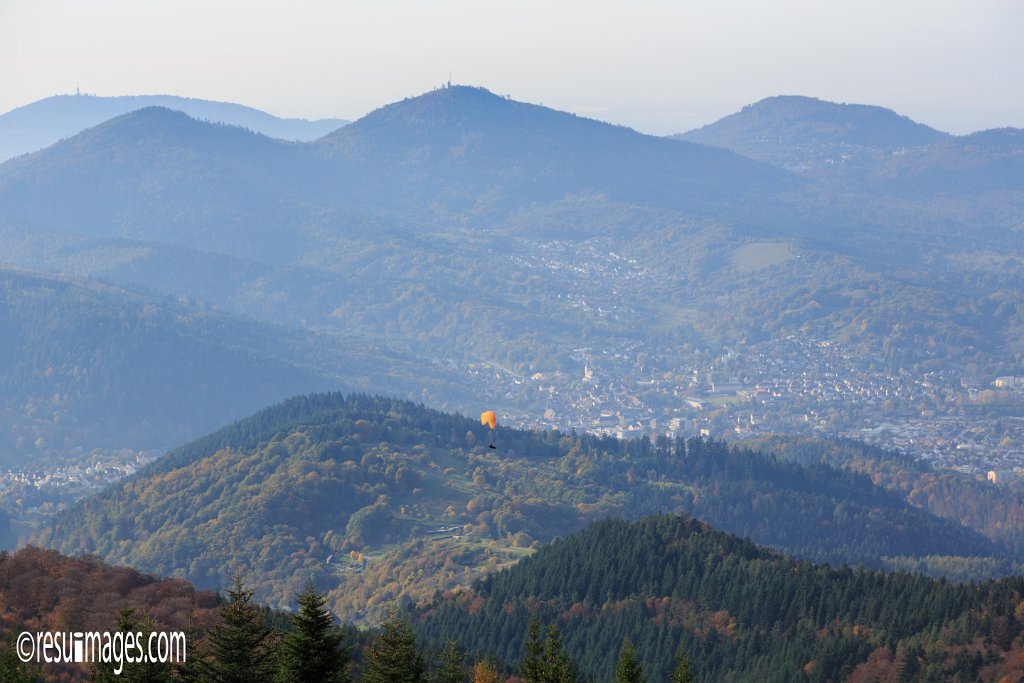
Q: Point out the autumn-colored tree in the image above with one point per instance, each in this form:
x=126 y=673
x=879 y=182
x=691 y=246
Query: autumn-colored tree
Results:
x=485 y=671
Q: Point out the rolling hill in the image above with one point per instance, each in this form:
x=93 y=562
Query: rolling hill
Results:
x=90 y=365
x=42 y=123
x=813 y=136
x=743 y=613
x=41 y=590
x=466 y=151
x=383 y=500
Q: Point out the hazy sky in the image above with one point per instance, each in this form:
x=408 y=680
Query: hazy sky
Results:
x=658 y=66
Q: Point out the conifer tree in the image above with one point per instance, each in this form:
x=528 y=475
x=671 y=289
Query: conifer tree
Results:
x=312 y=651
x=453 y=664
x=558 y=667
x=628 y=669
x=188 y=669
x=531 y=668
x=240 y=646
x=393 y=657
x=682 y=672
x=128 y=621
x=12 y=669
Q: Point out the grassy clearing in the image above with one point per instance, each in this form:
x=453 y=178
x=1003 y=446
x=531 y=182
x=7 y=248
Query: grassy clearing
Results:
x=757 y=255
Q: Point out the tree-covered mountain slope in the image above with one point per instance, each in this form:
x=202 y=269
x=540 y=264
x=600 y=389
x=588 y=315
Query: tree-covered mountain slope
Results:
x=812 y=136
x=741 y=612
x=997 y=512
x=44 y=591
x=471 y=152
x=90 y=365
x=382 y=499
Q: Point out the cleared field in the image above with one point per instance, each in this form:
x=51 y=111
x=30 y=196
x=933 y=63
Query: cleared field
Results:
x=757 y=255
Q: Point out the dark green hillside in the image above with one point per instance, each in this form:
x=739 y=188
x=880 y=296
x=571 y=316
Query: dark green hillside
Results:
x=742 y=613
x=997 y=512
x=299 y=488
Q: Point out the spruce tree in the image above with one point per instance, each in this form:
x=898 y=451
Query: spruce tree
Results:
x=531 y=668
x=453 y=664
x=628 y=669
x=312 y=651
x=558 y=667
x=240 y=646
x=393 y=657
x=682 y=673
x=128 y=621
x=188 y=670
x=12 y=669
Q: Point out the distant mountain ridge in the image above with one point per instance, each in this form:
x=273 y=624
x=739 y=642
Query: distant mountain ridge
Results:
x=466 y=149
x=805 y=133
x=580 y=233
x=40 y=124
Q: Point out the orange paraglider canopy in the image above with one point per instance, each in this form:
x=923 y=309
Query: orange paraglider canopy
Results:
x=489 y=418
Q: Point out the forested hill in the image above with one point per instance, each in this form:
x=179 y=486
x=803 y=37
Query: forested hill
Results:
x=41 y=590
x=90 y=365
x=807 y=134
x=384 y=500
x=741 y=612
x=467 y=150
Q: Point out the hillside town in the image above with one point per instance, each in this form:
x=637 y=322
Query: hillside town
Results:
x=795 y=385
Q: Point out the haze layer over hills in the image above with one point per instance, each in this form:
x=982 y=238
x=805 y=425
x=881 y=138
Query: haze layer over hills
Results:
x=40 y=124
x=557 y=267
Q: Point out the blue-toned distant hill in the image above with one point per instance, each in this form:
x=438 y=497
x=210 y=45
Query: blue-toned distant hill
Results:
x=158 y=175
x=40 y=124
x=812 y=136
x=468 y=151
x=90 y=365
x=989 y=162
x=495 y=237
x=460 y=153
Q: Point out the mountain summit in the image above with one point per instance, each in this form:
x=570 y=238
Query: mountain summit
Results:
x=805 y=133
x=467 y=149
x=42 y=123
